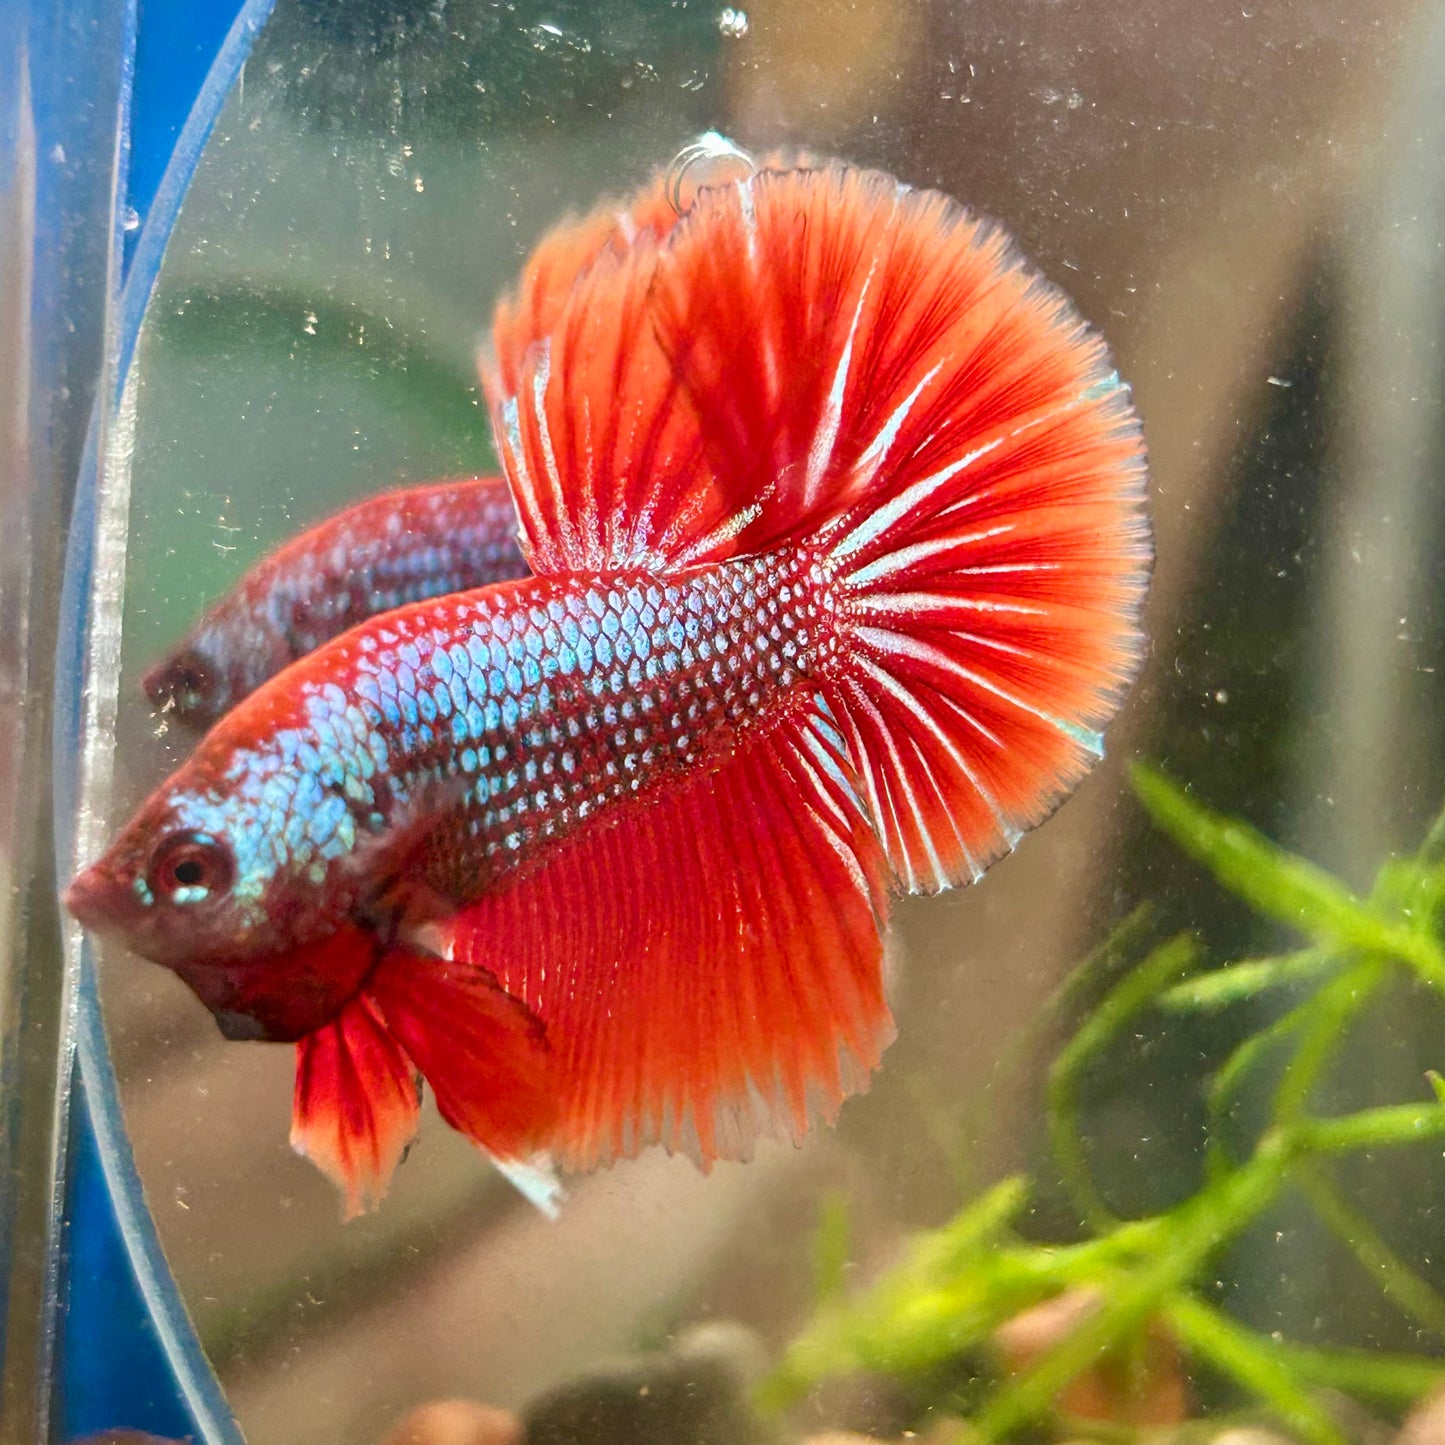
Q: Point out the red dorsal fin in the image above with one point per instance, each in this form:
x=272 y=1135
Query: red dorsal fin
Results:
x=355 y=1105
x=798 y=341
x=564 y=254
x=601 y=459
x=707 y=961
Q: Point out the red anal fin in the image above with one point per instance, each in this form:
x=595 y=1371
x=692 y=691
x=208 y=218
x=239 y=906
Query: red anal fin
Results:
x=483 y=1053
x=708 y=962
x=355 y=1105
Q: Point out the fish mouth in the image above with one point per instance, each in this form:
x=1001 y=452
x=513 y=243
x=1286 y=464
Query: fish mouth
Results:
x=97 y=899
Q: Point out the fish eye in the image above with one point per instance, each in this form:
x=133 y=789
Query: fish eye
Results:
x=189 y=868
x=183 y=683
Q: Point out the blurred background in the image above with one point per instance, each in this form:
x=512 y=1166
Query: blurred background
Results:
x=1245 y=197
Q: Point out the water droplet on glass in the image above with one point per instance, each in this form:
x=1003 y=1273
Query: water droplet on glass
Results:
x=733 y=23
x=130 y=218
x=711 y=160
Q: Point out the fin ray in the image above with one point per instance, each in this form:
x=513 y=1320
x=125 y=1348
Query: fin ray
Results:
x=483 y=1053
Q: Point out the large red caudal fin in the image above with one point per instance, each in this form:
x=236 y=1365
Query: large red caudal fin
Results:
x=355 y=1106
x=708 y=962
x=993 y=633
x=824 y=357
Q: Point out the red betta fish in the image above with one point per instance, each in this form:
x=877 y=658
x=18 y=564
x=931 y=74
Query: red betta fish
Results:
x=402 y=546
x=836 y=516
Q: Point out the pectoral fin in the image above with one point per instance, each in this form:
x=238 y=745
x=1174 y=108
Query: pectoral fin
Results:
x=355 y=1105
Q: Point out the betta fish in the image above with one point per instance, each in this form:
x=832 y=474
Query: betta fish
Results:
x=402 y=546
x=835 y=515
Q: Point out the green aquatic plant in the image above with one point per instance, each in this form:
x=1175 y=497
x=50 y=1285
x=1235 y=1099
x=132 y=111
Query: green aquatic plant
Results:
x=937 y=1316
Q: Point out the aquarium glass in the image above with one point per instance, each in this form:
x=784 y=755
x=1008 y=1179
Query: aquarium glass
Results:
x=1107 y=1177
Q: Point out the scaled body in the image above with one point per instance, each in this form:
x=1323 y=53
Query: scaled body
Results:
x=449 y=742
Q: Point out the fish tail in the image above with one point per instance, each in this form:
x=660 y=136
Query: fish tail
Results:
x=989 y=609
x=877 y=375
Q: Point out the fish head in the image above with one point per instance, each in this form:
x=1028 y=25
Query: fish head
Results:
x=222 y=660
x=189 y=684
x=240 y=874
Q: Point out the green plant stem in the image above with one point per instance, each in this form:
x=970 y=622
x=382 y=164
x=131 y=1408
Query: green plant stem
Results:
x=832 y=1247
x=1281 y=885
x=1394 y=1381
x=1240 y=981
x=1196 y=1229
x=1240 y=1354
x=1119 y=1007
x=1399 y=1282
x=1098 y=967
x=1328 y=1015
x=1432 y=847
x=1231 y=1075
x=1391 y=1127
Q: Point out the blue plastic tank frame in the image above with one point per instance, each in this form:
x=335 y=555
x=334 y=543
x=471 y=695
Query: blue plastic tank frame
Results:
x=104 y=108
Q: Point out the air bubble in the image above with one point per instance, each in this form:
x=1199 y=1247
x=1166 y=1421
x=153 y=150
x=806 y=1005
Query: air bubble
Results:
x=711 y=160
x=733 y=23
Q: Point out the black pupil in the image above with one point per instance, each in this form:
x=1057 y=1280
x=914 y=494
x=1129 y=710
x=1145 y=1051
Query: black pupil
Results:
x=189 y=872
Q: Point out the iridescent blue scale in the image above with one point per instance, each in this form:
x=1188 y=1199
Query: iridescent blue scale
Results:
x=549 y=700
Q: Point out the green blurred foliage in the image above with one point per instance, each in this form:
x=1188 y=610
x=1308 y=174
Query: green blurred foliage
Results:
x=936 y=1320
